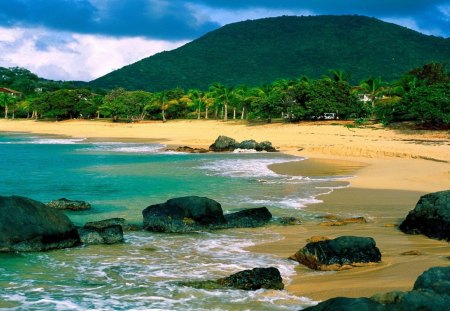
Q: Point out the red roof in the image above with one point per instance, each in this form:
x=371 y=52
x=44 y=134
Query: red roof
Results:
x=6 y=90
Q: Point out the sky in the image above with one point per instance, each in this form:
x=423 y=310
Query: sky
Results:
x=85 y=39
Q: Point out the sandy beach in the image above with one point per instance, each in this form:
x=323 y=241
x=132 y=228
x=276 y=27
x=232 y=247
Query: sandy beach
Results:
x=392 y=169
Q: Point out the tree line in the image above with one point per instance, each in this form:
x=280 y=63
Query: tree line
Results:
x=422 y=95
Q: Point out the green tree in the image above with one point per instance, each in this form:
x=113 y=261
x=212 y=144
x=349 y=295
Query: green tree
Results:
x=223 y=95
x=6 y=100
x=266 y=103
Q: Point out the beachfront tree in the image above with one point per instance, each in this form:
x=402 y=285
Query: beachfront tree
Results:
x=223 y=95
x=266 y=103
x=114 y=104
x=6 y=100
x=374 y=88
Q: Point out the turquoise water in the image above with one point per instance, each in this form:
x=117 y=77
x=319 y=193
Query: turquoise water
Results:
x=120 y=180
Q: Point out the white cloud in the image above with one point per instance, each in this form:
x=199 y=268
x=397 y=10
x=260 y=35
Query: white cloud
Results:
x=412 y=24
x=227 y=16
x=73 y=56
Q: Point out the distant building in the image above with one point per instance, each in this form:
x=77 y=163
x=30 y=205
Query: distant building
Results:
x=10 y=92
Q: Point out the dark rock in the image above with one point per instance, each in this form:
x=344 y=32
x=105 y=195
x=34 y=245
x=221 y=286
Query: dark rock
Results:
x=188 y=149
x=65 y=204
x=340 y=253
x=289 y=221
x=29 y=225
x=436 y=279
x=257 y=278
x=114 y=221
x=430 y=217
x=348 y=304
x=252 y=217
x=183 y=215
x=247 y=144
x=265 y=146
x=107 y=231
x=422 y=300
x=223 y=143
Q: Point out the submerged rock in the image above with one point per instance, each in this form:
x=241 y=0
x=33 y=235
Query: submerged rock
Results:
x=430 y=217
x=257 y=278
x=341 y=253
x=107 y=231
x=348 y=304
x=114 y=221
x=188 y=149
x=65 y=204
x=29 y=225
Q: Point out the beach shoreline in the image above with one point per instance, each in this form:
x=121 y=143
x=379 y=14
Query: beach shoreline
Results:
x=388 y=170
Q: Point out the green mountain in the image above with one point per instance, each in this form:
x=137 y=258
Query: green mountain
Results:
x=260 y=51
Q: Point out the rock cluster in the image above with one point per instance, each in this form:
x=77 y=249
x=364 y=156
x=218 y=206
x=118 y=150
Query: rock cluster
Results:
x=430 y=217
x=338 y=254
x=431 y=292
x=224 y=143
x=192 y=213
x=108 y=231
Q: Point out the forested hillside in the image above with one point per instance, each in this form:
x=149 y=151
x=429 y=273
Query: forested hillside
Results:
x=261 y=51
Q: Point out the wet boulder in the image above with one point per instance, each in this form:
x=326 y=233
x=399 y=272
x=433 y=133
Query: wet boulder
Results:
x=436 y=279
x=348 y=304
x=341 y=253
x=430 y=217
x=247 y=144
x=188 y=149
x=265 y=146
x=29 y=225
x=257 y=278
x=115 y=221
x=65 y=204
x=223 y=143
x=107 y=231
x=248 y=218
x=184 y=214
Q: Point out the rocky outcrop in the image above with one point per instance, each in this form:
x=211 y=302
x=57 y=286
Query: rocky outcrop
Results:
x=194 y=213
x=188 y=149
x=65 y=204
x=107 y=231
x=431 y=292
x=430 y=217
x=224 y=143
x=257 y=278
x=248 y=218
x=341 y=253
x=29 y=225
x=115 y=221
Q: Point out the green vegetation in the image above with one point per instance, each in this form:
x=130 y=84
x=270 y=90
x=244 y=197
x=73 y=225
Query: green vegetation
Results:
x=422 y=95
x=258 y=52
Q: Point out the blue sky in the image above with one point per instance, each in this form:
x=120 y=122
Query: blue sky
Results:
x=85 y=39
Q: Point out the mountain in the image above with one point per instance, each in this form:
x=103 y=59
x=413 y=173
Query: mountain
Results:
x=260 y=51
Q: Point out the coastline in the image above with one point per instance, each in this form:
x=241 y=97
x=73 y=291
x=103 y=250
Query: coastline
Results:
x=392 y=170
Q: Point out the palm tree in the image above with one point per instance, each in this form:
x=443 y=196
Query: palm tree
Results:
x=374 y=88
x=161 y=99
x=222 y=94
x=339 y=75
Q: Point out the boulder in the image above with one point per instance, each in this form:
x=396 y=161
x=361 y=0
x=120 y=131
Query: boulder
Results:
x=341 y=253
x=188 y=149
x=247 y=144
x=257 y=278
x=436 y=279
x=183 y=215
x=107 y=231
x=265 y=146
x=248 y=218
x=430 y=217
x=223 y=143
x=348 y=304
x=114 y=221
x=65 y=204
x=29 y=225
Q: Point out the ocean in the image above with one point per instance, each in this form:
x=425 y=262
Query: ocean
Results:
x=120 y=179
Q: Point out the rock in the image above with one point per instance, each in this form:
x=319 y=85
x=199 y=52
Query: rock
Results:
x=257 y=278
x=183 y=215
x=411 y=253
x=423 y=300
x=252 y=217
x=65 y=204
x=29 y=225
x=348 y=304
x=355 y=220
x=332 y=223
x=316 y=238
x=265 y=146
x=223 y=143
x=188 y=149
x=247 y=144
x=436 y=279
x=114 y=221
x=107 y=231
x=430 y=217
x=341 y=253
x=288 y=221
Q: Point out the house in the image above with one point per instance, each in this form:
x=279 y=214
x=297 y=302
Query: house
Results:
x=10 y=92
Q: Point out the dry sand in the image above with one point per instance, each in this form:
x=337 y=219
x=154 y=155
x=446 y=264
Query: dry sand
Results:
x=393 y=169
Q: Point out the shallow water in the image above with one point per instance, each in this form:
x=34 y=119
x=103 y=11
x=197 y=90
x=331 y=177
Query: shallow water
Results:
x=120 y=180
